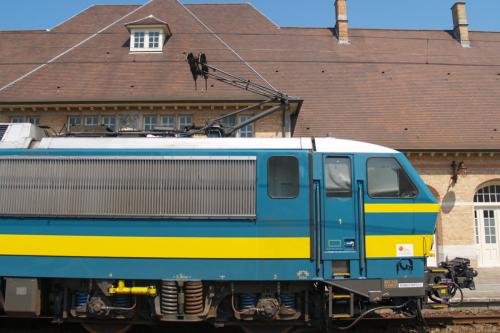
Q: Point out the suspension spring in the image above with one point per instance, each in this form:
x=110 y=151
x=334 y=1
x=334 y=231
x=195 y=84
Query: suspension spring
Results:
x=81 y=299
x=122 y=301
x=168 y=297
x=248 y=301
x=288 y=300
x=193 y=291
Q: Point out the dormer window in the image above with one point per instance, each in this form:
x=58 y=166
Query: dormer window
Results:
x=148 y=34
x=146 y=40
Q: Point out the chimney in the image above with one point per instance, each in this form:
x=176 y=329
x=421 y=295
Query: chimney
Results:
x=341 y=28
x=460 y=24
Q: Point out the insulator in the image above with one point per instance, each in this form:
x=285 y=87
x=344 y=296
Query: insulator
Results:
x=81 y=298
x=168 y=297
x=248 y=301
x=193 y=297
x=122 y=301
x=288 y=300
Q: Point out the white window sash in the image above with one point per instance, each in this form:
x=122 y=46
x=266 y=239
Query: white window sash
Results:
x=147 y=40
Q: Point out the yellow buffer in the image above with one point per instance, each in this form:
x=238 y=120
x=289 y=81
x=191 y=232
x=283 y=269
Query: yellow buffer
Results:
x=156 y=247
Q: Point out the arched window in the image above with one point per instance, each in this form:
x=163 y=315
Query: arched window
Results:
x=486 y=220
x=489 y=193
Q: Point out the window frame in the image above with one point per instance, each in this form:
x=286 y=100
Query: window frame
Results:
x=69 y=121
x=179 y=125
x=154 y=38
x=241 y=119
x=298 y=177
x=351 y=192
x=89 y=117
x=103 y=118
x=152 y=116
x=489 y=226
x=147 y=40
x=159 y=120
x=476 y=227
x=29 y=119
x=14 y=120
x=417 y=191
x=174 y=123
x=483 y=195
x=139 y=37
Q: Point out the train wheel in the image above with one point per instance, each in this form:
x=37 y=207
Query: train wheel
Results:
x=107 y=327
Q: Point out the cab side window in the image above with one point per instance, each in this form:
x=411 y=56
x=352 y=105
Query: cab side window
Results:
x=338 y=177
x=283 y=177
x=387 y=179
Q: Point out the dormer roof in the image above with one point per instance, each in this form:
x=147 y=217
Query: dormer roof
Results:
x=150 y=21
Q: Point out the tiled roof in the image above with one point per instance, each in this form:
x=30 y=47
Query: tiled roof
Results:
x=407 y=89
x=101 y=68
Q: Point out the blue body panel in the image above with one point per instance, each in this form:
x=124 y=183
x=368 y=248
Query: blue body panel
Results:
x=157 y=269
x=275 y=218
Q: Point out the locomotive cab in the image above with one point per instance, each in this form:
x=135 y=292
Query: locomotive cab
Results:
x=378 y=217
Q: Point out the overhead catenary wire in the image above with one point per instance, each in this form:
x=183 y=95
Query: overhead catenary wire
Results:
x=69 y=50
x=227 y=45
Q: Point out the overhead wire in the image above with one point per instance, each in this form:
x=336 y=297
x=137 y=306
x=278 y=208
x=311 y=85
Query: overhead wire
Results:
x=228 y=46
x=68 y=50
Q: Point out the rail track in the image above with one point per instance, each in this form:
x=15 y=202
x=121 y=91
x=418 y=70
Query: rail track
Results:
x=480 y=314
x=459 y=317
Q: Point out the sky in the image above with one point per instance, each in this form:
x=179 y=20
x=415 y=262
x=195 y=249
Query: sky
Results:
x=484 y=15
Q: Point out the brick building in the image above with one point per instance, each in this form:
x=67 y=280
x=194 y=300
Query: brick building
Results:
x=432 y=94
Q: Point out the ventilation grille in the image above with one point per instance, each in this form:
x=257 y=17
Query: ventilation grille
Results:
x=3 y=129
x=173 y=187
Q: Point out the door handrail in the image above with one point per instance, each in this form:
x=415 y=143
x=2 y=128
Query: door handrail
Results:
x=317 y=200
x=361 y=227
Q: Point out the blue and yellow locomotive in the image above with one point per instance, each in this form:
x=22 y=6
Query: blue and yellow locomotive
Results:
x=228 y=230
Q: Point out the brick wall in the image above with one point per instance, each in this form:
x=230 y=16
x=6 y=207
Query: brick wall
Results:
x=456 y=234
x=266 y=127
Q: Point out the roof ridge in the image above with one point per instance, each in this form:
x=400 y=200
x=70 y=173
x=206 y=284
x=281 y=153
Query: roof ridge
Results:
x=218 y=4
x=117 y=4
x=150 y=16
x=386 y=29
x=263 y=15
x=71 y=17
x=249 y=4
x=27 y=30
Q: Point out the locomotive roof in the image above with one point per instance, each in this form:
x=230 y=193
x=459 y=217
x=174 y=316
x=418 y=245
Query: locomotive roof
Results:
x=322 y=144
x=30 y=136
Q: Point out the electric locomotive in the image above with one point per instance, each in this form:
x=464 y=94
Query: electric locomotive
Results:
x=129 y=230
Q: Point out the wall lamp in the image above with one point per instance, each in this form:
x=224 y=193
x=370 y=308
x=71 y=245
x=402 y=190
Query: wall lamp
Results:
x=457 y=169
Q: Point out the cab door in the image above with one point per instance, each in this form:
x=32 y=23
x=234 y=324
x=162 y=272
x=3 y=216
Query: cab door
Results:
x=339 y=208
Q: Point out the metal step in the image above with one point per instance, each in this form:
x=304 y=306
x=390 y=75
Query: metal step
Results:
x=341 y=316
x=341 y=275
x=340 y=297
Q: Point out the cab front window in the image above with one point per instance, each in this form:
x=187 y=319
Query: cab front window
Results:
x=387 y=179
